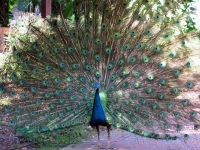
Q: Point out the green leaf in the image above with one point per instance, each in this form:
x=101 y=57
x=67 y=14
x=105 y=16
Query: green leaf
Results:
x=68 y=11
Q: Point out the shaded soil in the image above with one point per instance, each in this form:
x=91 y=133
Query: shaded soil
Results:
x=10 y=141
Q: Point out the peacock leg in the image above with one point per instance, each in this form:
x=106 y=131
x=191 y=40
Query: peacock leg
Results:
x=98 y=132
x=108 y=129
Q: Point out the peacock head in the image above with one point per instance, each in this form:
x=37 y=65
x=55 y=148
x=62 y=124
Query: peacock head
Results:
x=96 y=85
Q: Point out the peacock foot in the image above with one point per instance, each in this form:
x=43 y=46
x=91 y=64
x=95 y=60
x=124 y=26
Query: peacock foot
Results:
x=109 y=147
x=99 y=147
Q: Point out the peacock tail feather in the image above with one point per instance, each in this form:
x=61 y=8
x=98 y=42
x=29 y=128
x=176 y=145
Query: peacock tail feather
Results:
x=137 y=51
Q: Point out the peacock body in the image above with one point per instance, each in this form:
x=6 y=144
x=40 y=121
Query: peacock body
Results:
x=135 y=54
x=98 y=115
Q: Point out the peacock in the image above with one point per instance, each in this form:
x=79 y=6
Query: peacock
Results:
x=132 y=64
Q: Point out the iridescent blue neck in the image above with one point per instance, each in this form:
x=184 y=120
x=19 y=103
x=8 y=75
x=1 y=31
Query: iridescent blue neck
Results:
x=98 y=115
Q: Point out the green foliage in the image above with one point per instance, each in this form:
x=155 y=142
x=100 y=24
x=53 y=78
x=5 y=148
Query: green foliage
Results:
x=12 y=3
x=60 y=138
x=190 y=26
x=68 y=11
x=67 y=7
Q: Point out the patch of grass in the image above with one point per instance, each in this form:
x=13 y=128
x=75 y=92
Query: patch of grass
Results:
x=59 y=138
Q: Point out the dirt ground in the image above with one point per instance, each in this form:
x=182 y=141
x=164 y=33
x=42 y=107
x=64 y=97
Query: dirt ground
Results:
x=123 y=140
x=10 y=141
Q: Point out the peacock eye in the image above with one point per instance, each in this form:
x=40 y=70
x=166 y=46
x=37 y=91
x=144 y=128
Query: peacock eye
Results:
x=166 y=36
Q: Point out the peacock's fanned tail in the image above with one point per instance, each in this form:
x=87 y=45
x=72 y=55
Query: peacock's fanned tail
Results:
x=137 y=51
